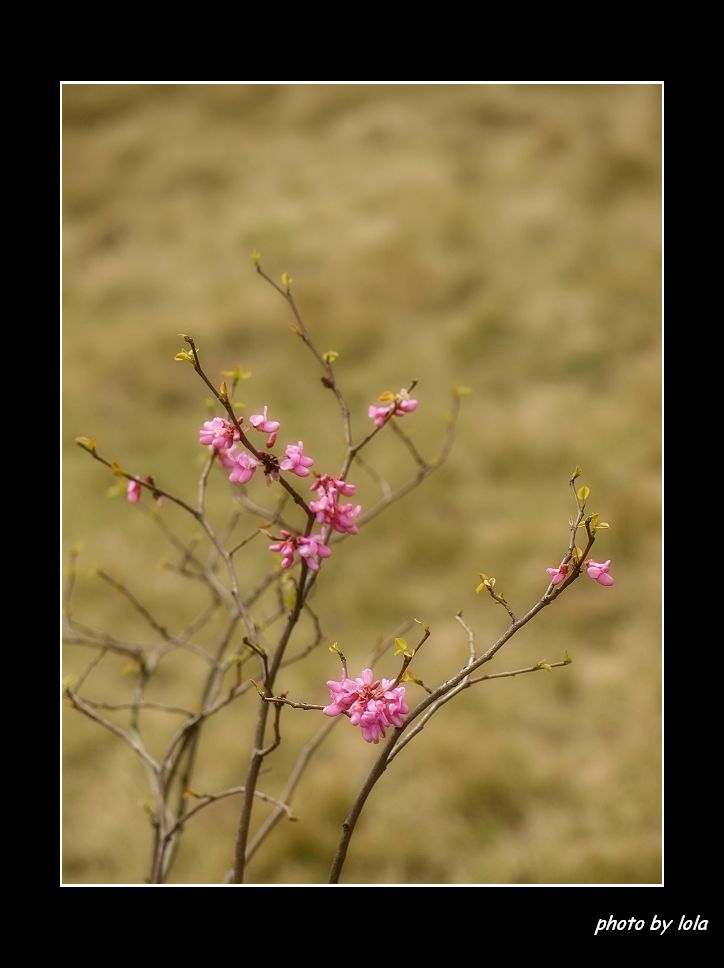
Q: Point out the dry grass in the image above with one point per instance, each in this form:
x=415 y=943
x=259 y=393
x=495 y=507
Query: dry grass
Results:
x=506 y=238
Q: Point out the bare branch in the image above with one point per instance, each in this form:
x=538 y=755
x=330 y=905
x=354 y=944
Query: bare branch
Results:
x=208 y=798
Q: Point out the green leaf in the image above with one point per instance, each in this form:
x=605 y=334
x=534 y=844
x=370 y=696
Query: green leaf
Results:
x=576 y=473
x=330 y=356
x=567 y=659
x=185 y=356
x=400 y=647
x=582 y=493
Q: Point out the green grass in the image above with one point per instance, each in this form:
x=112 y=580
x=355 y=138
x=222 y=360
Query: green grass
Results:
x=506 y=238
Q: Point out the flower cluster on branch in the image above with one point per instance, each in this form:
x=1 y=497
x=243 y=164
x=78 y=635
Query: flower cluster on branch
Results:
x=378 y=706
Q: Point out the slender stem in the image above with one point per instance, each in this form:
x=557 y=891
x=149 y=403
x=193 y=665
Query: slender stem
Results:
x=350 y=822
x=283 y=701
x=208 y=798
x=258 y=750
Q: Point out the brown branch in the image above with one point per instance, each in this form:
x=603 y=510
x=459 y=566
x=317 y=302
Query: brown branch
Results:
x=153 y=488
x=407 y=441
x=283 y=701
x=328 y=379
x=130 y=740
x=208 y=798
x=145 y=704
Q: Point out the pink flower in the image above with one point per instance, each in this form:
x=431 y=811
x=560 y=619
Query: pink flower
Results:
x=329 y=485
x=310 y=548
x=373 y=705
x=339 y=517
x=559 y=574
x=296 y=462
x=227 y=456
x=599 y=572
x=261 y=422
x=134 y=492
x=402 y=404
x=218 y=433
x=244 y=467
x=378 y=414
x=286 y=548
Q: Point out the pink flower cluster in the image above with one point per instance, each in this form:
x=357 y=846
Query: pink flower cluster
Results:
x=596 y=570
x=327 y=507
x=218 y=433
x=311 y=548
x=371 y=704
x=134 y=492
x=401 y=404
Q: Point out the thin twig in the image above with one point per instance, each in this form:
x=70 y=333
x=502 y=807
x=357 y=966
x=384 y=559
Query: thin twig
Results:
x=208 y=798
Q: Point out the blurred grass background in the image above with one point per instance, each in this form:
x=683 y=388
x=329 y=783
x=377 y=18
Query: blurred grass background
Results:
x=503 y=237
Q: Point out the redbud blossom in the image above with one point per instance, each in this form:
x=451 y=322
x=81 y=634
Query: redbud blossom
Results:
x=311 y=548
x=261 y=422
x=340 y=517
x=244 y=467
x=296 y=462
x=599 y=572
x=227 y=456
x=285 y=548
x=134 y=492
x=402 y=404
x=372 y=704
x=559 y=574
x=218 y=433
